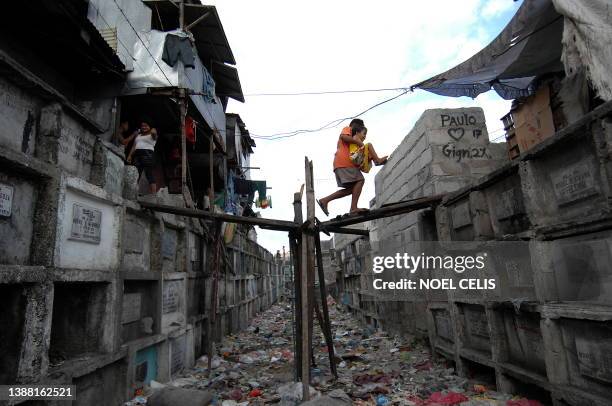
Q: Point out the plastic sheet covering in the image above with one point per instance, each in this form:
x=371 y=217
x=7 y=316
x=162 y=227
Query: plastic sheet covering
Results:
x=530 y=45
x=150 y=71
x=587 y=34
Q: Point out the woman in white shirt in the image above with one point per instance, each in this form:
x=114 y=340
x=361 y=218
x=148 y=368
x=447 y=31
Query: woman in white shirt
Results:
x=143 y=152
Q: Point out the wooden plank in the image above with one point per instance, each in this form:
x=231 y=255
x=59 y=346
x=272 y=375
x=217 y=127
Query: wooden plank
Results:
x=278 y=225
x=345 y=230
x=386 y=211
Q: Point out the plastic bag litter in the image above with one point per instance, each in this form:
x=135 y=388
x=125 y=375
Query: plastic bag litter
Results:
x=291 y=394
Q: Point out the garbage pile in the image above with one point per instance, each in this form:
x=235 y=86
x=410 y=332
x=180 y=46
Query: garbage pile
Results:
x=256 y=367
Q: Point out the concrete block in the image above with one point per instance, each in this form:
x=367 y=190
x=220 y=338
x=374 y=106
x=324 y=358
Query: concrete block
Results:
x=520 y=339
x=34 y=315
x=50 y=132
x=19 y=111
x=441 y=330
x=481 y=217
x=18 y=199
x=509 y=263
x=65 y=142
x=178 y=353
x=195 y=252
x=587 y=350
x=473 y=327
x=82 y=320
x=89 y=227
x=567 y=184
x=169 y=249
x=130 y=182
x=95 y=388
x=108 y=168
x=443 y=223
x=139 y=309
x=506 y=204
x=447 y=184
x=574 y=269
x=136 y=243
x=469 y=218
x=173 y=302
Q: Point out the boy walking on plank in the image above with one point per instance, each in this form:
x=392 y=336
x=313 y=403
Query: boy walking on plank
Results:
x=348 y=173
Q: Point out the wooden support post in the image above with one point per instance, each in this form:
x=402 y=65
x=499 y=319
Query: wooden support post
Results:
x=183 y=114
x=296 y=247
x=295 y=308
x=326 y=326
x=307 y=274
x=182 y=14
x=211 y=171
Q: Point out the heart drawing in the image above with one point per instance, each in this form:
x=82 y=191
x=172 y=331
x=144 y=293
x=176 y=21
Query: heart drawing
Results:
x=456 y=133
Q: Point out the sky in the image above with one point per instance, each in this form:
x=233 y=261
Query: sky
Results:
x=289 y=46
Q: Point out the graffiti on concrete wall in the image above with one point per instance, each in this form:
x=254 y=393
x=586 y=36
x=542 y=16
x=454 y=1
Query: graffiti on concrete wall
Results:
x=456 y=125
x=460 y=154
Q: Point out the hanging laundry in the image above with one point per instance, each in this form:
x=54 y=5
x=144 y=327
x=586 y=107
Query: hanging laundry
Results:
x=176 y=48
x=243 y=186
x=264 y=203
x=190 y=130
x=247 y=187
x=260 y=187
x=208 y=86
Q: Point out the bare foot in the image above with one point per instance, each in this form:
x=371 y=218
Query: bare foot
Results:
x=381 y=161
x=358 y=210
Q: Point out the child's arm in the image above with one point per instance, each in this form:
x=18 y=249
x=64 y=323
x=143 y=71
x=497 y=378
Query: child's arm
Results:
x=351 y=140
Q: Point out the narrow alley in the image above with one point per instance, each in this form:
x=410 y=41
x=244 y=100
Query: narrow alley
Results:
x=255 y=367
x=240 y=203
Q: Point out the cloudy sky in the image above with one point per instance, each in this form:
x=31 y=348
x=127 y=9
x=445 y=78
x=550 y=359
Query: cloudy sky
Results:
x=289 y=46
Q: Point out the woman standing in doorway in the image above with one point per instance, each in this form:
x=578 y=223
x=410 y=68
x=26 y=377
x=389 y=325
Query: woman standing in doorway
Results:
x=143 y=152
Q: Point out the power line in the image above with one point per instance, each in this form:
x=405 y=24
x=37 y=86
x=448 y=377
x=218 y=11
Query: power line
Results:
x=327 y=92
x=329 y=125
x=142 y=42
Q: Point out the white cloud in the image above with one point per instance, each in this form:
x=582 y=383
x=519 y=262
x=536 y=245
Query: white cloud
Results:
x=495 y=8
x=285 y=46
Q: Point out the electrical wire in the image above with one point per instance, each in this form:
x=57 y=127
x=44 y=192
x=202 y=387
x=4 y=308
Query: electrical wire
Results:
x=329 y=125
x=326 y=92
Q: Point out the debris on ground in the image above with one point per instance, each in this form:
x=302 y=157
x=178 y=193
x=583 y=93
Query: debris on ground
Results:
x=255 y=367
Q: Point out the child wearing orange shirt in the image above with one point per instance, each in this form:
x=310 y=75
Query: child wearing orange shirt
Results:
x=348 y=174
